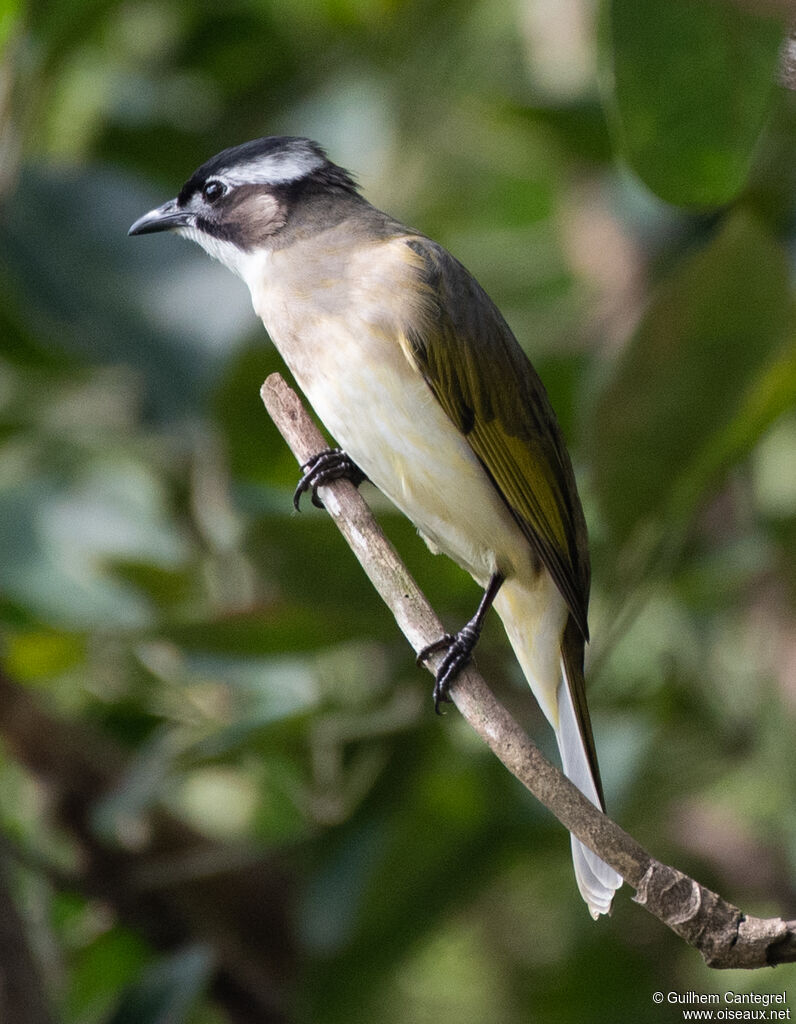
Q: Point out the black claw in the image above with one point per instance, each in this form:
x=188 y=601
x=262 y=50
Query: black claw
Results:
x=459 y=646
x=330 y=464
x=443 y=643
x=459 y=649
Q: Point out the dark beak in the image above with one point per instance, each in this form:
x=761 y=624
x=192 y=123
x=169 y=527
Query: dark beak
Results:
x=164 y=218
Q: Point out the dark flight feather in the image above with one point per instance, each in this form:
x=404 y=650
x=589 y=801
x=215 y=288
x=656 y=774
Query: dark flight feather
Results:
x=466 y=352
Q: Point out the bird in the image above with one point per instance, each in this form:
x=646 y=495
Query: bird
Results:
x=418 y=377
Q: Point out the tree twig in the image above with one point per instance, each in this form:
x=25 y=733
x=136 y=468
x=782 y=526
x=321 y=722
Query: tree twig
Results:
x=721 y=932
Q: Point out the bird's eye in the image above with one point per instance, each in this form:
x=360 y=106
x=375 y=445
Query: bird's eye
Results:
x=213 y=191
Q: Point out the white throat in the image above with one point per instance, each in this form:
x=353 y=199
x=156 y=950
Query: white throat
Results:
x=244 y=264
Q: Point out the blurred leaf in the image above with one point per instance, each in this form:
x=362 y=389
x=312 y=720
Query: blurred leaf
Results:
x=21 y=345
x=57 y=538
x=118 y=813
x=283 y=628
x=255 y=448
x=771 y=393
x=64 y=26
x=580 y=129
x=90 y=291
x=9 y=13
x=41 y=575
x=167 y=587
x=694 y=388
x=263 y=690
x=692 y=85
x=33 y=654
x=101 y=967
x=425 y=837
x=166 y=991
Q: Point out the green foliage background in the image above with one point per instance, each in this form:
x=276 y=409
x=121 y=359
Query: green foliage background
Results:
x=621 y=180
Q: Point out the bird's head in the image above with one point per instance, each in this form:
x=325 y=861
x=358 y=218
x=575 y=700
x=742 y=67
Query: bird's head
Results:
x=240 y=201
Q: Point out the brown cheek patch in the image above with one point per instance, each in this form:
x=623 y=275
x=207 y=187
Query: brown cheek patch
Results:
x=254 y=215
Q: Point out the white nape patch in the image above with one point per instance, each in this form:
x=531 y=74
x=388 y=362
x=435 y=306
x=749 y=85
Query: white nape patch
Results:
x=273 y=169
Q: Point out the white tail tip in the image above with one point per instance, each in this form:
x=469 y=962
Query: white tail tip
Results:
x=597 y=881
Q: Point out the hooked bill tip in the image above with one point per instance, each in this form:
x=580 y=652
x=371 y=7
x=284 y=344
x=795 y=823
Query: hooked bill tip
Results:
x=164 y=218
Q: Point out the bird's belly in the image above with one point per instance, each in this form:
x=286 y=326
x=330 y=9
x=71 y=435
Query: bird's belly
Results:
x=382 y=412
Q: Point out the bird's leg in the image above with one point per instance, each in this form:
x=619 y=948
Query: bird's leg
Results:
x=459 y=646
x=330 y=464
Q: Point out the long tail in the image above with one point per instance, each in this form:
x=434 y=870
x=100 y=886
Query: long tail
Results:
x=534 y=620
x=596 y=880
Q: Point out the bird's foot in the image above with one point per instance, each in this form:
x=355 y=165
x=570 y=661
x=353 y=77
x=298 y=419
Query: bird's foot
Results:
x=458 y=649
x=330 y=464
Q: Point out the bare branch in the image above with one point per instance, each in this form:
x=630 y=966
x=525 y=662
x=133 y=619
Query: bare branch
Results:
x=721 y=932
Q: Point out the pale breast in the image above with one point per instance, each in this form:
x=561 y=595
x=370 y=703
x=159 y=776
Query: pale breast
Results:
x=338 y=325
